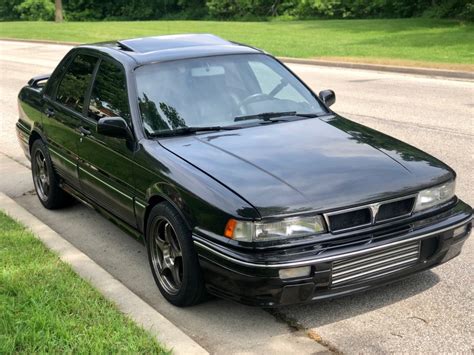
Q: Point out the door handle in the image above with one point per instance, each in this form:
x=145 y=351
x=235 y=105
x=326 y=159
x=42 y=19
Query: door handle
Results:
x=49 y=112
x=84 y=131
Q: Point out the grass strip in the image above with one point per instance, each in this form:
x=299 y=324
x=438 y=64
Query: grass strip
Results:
x=46 y=308
x=410 y=42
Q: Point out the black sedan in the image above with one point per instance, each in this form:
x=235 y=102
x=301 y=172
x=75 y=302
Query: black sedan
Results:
x=241 y=181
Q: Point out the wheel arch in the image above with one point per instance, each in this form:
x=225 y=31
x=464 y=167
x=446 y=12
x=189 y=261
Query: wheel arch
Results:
x=35 y=135
x=159 y=197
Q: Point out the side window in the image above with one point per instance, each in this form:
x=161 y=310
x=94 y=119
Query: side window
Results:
x=268 y=80
x=73 y=86
x=109 y=94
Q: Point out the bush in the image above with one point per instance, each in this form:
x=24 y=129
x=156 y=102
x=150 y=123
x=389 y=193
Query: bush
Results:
x=360 y=8
x=463 y=9
x=86 y=10
x=35 y=10
x=249 y=9
x=7 y=9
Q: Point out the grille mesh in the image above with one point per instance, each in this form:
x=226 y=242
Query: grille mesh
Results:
x=350 y=219
x=362 y=216
x=395 y=209
x=376 y=264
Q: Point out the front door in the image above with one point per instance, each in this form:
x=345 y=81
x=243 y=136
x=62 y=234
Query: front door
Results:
x=106 y=164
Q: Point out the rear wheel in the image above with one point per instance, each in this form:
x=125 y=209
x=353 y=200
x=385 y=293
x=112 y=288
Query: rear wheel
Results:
x=45 y=179
x=173 y=259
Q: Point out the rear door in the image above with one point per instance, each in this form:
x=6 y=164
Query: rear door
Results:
x=106 y=166
x=63 y=115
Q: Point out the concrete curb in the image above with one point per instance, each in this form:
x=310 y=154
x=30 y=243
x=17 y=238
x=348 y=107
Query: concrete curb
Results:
x=127 y=302
x=445 y=73
x=453 y=74
x=40 y=41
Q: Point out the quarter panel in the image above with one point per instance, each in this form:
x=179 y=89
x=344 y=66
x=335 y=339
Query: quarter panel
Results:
x=30 y=116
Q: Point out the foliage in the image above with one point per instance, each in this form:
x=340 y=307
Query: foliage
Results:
x=451 y=8
x=228 y=9
x=35 y=10
x=7 y=9
x=87 y=10
x=357 y=8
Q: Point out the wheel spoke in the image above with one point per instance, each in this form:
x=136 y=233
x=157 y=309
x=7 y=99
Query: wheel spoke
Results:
x=158 y=253
x=167 y=234
x=46 y=188
x=176 y=275
x=159 y=242
x=176 y=253
x=167 y=256
x=163 y=269
x=173 y=242
x=39 y=161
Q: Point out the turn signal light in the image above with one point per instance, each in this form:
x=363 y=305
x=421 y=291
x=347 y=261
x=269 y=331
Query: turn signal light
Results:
x=229 y=228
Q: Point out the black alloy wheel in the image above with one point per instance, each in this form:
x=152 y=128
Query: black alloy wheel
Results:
x=45 y=179
x=173 y=260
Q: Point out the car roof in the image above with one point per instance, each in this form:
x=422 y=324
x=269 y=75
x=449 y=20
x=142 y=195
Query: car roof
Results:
x=171 y=47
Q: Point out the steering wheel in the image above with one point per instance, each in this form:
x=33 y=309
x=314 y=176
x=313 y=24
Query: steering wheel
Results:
x=253 y=98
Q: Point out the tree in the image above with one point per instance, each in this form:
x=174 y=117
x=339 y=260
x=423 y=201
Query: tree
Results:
x=58 y=13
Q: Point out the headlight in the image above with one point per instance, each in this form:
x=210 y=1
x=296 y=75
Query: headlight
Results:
x=435 y=196
x=267 y=231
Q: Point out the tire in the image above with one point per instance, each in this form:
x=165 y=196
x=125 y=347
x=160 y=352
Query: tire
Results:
x=45 y=179
x=172 y=257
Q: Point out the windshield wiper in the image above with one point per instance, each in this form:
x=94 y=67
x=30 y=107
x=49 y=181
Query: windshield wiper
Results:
x=265 y=116
x=187 y=130
x=268 y=116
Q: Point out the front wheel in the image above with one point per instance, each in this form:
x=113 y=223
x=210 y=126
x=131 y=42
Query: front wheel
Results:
x=173 y=259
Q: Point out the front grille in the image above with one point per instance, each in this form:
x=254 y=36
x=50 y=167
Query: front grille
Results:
x=376 y=264
x=370 y=214
x=395 y=209
x=350 y=219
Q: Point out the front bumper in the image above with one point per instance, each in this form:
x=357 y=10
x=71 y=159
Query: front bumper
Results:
x=253 y=277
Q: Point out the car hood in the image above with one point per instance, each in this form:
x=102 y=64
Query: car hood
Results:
x=315 y=164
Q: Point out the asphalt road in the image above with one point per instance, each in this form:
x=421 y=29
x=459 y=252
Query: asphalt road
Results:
x=429 y=312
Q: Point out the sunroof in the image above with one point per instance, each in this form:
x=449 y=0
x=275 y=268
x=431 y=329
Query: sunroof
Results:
x=151 y=44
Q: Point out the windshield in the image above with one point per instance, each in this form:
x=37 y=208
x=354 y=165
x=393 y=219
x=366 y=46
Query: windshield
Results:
x=215 y=91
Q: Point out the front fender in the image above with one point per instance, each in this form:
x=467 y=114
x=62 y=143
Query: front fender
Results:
x=164 y=191
x=202 y=201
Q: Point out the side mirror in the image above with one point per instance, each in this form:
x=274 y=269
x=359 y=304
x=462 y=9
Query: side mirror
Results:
x=328 y=97
x=114 y=127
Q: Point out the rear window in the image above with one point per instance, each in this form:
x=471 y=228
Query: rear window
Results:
x=73 y=86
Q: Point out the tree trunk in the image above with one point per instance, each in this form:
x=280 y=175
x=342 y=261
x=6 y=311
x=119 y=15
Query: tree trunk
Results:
x=58 y=13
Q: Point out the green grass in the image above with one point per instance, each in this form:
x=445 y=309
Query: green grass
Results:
x=409 y=41
x=46 y=308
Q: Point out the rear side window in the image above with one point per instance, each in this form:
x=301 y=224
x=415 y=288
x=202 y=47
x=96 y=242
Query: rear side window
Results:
x=73 y=86
x=109 y=94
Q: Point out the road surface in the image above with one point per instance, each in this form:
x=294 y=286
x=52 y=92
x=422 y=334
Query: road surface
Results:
x=429 y=312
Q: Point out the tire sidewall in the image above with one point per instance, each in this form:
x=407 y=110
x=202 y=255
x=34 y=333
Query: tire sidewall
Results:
x=56 y=196
x=192 y=276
